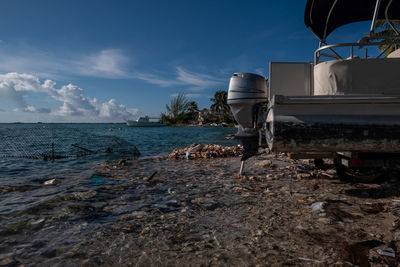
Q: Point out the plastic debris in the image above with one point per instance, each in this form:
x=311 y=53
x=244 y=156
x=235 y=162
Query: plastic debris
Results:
x=389 y=252
x=311 y=260
x=50 y=182
x=317 y=207
x=187 y=155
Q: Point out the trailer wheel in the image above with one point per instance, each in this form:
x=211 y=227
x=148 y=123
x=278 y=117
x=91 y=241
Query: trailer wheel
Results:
x=318 y=162
x=358 y=175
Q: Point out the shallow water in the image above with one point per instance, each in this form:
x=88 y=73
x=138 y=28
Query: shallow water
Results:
x=20 y=143
x=39 y=221
x=67 y=222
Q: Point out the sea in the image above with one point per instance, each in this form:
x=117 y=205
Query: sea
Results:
x=54 y=199
x=39 y=151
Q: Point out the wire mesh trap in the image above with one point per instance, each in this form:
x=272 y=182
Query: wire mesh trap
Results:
x=55 y=142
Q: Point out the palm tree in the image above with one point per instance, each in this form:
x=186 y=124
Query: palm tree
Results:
x=220 y=101
x=386 y=31
x=191 y=107
x=180 y=110
x=177 y=106
x=192 y=111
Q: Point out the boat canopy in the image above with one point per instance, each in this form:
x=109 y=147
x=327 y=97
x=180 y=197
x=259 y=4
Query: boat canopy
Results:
x=323 y=16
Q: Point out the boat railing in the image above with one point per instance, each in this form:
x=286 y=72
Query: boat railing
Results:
x=332 y=53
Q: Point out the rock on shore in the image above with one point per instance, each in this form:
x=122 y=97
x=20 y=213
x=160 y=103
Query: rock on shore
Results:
x=202 y=151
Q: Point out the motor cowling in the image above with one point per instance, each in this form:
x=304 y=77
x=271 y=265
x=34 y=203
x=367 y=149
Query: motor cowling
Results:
x=247 y=92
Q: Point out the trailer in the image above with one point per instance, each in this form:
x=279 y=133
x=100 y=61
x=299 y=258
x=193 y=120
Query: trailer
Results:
x=340 y=106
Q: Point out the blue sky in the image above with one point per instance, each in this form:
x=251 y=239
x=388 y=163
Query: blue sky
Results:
x=88 y=61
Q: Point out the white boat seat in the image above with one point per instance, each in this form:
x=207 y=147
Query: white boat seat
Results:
x=357 y=76
x=394 y=54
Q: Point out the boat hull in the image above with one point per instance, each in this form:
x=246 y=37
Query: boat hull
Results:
x=334 y=123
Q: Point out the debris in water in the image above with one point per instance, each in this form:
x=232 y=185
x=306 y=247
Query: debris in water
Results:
x=51 y=182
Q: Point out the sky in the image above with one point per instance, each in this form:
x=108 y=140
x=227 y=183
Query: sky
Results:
x=108 y=61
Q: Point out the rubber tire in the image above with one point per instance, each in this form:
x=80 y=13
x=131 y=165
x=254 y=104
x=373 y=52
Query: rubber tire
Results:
x=347 y=174
x=318 y=162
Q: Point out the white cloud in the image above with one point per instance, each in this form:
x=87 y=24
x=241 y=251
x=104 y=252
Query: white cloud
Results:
x=198 y=81
x=154 y=79
x=30 y=109
x=191 y=95
x=75 y=103
x=14 y=87
x=195 y=81
x=112 y=109
x=106 y=63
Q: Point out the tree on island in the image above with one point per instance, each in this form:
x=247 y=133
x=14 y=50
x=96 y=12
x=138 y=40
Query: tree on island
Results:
x=192 y=110
x=221 y=106
x=180 y=111
x=220 y=101
x=387 y=33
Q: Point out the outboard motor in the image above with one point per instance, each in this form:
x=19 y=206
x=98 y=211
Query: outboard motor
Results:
x=247 y=95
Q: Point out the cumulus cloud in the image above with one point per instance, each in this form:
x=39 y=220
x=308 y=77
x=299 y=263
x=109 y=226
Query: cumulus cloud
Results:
x=15 y=86
x=112 y=109
x=30 y=109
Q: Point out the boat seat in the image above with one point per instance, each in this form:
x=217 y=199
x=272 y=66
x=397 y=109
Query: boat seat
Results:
x=357 y=76
x=394 y=54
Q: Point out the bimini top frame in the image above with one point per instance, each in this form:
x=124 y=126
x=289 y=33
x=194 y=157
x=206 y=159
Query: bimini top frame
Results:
x=323 y=16
x=319 y=52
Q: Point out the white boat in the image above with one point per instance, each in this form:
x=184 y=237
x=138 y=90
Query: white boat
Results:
x=144 y=122
x=341 y=106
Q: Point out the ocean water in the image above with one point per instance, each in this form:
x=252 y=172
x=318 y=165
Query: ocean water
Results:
x=53 y=223
x=26 y=149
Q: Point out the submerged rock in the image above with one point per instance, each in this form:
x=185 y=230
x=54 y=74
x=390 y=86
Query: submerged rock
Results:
x=84 y=195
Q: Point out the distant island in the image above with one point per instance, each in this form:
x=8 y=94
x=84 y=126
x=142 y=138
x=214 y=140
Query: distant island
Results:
x=180 y=111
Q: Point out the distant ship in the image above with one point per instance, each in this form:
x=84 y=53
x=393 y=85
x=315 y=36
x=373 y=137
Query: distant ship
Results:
x=145 y=122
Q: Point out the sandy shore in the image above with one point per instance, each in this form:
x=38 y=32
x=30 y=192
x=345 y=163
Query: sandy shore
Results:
x=163 y=212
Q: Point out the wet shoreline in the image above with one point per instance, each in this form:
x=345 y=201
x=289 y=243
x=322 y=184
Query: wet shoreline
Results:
x=167 y=212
